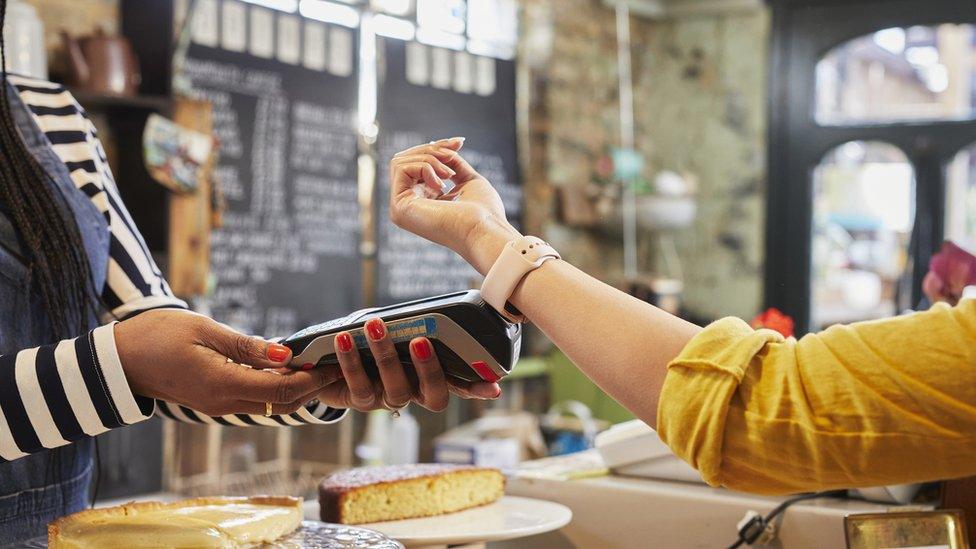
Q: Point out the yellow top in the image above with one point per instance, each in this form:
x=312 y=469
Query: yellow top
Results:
x=868 y=404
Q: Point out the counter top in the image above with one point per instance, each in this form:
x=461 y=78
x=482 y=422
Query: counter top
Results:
x=614 y=512
x=620 y=512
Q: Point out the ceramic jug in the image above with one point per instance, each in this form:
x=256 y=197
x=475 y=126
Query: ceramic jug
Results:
x=101 y=63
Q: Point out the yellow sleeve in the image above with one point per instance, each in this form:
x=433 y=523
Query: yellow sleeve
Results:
x=868 y=404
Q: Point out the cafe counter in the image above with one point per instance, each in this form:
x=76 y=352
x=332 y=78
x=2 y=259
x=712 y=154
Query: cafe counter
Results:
x=612 y=512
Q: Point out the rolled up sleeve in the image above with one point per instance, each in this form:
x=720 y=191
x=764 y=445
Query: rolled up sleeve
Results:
x=872 y=403
x=699 y=386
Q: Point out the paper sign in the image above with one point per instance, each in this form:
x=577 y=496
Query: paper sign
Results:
x=174 y=155
x=418 y=64
x=289 y=39
x=484 y=79
x=262 y=33
x=463 y=72
x=204 y=30
x=340 y=51
x=314 y=53
x=233 y=26
x=440 y=73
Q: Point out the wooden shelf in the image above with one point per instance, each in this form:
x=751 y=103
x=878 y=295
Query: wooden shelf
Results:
x=104 y=102
x=123 y=122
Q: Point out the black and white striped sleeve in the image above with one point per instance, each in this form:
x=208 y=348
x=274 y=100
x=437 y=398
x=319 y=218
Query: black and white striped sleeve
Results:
x=133 y=282
x=77 y=388
x=56 y=394
x=314 y=413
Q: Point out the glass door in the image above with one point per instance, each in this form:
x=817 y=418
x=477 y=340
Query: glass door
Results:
x=863 y=213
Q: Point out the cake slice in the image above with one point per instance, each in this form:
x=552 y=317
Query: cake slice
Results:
x=377 y=494
x=220 y=522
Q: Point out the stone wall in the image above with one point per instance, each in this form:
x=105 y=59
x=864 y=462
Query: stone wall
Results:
x=701 y=103
x=700 y=89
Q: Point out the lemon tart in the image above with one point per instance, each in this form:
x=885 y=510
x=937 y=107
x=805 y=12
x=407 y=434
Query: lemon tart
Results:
x=223 y=522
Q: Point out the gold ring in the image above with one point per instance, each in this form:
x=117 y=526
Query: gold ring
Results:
x=394 y=410
x=267 y=409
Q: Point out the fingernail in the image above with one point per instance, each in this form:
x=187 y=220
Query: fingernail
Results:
x=376 y=329
x=307 y=366
x=422 y=348
x=344 y=342
x=277 y=353
x=458 y=138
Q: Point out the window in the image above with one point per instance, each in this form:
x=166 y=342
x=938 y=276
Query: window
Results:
x=870 y=105
x=482 y=27
x=961 y=198
x=863 y=203
x=899 y=74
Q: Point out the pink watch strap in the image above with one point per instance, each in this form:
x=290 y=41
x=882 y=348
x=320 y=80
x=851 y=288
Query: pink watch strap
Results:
x=518 y=258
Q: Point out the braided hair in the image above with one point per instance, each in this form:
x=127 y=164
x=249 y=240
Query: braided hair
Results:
x=59 y=269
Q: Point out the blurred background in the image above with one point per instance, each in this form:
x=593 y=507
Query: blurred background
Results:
x=714 y=157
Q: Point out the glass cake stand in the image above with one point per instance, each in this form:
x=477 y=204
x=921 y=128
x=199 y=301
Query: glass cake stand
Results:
x=312 y=535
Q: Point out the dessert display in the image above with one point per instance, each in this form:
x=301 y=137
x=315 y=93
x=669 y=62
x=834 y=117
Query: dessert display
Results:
x=224 y=522
x=377 y=494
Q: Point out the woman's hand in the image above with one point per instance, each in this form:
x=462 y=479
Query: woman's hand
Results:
x=469 y=220
x=425 y=384
x=182 y=357
x=951 y=270
x=948 y=291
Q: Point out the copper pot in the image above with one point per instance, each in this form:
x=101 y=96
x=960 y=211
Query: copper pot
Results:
x=102 y=64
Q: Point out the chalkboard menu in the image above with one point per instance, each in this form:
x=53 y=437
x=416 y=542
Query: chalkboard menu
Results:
x=284 y=92
x=429 y=93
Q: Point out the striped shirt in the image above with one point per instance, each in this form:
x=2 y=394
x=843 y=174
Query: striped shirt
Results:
x=76 y=388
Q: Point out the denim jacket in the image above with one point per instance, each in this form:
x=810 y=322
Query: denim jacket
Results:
x=55 y=395
x=37 y=488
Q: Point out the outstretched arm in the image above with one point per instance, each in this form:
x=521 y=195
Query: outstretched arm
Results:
x=627 y=344
x=875 y=403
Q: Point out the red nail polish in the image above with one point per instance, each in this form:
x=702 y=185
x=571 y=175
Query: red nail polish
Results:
x=484 y=371
x=307 y=366
x=422 y=349
x=344 y=342
x=277 y=353
x=376 y=329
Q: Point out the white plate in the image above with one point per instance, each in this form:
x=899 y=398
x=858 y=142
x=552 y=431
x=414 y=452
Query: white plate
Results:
x=508 y=518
